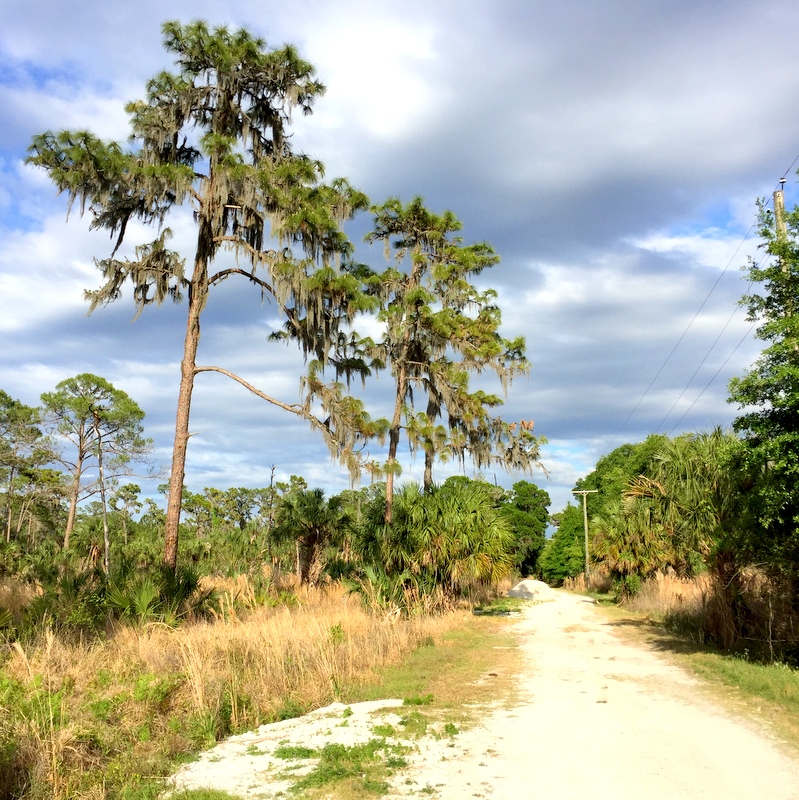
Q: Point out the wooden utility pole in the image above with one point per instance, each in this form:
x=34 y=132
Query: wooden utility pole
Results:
x=779 y=210
x=781 y=230
x=584 y=492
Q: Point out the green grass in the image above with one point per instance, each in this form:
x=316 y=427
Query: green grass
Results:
x=414 y=724
x=450 y=674
x=775 y=683
x=769 y=690
x=503 y=605
x=360 y=769
x=424 y=700
x=603 y=598
x=293 y=751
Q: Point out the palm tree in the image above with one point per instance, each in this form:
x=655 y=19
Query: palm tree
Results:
x=311 y=521
x=688 y=505
x=443 y=541
x=630 y=542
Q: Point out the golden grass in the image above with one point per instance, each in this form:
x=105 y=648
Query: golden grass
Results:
x=665 y=593
x=129 y=703
x=15 y=595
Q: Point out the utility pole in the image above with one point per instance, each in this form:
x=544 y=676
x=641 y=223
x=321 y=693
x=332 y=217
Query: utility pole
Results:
x=779 y=210
x=781 y=230
x=584 y=492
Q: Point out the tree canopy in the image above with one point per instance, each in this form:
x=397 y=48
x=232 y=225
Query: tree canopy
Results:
x=439 y=328
x=214 y=136
x=102 y=427
x=768 y=394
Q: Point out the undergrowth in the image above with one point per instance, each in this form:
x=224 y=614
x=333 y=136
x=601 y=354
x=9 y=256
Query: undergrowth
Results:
x=109 y=717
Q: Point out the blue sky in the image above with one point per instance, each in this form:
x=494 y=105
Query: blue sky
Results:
x=611 y=152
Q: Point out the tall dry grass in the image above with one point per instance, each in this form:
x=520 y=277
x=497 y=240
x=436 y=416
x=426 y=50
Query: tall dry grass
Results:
x=598 y=582
x=663 y=594
x=104 y=712
x=15 y=595
x=666 y=593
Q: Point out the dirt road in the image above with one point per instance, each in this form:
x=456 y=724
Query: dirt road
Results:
x=606 y=718
x=596 y=717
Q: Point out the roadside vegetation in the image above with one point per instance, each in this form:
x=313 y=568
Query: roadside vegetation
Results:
x=110 y=716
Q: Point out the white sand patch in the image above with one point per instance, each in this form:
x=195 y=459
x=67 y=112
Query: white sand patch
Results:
x=530 y=589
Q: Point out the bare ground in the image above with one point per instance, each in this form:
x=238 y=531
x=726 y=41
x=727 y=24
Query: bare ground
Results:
x=593 y=716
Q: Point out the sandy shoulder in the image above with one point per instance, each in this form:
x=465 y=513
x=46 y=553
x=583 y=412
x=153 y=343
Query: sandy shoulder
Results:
x=595 y=715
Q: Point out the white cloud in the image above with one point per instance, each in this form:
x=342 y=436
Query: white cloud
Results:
x=40 y=278
x=712 y=247
x=612 y=158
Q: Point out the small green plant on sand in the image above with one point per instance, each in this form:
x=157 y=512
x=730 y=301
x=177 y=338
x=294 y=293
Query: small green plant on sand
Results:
x=364 y=767
x=289 y=751
x=424 y=700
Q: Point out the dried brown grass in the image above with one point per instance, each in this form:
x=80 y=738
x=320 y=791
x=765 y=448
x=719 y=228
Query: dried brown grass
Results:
x=666 y=593
x=15 y=595
x=149 y=693
x=599 y=582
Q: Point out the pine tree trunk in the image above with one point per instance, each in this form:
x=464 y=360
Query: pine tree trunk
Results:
x=9 y=500
x=429 y=445
x=104 y=503
x=73 y=503
x=393 y=443
x=197 y=294
x=428 y=468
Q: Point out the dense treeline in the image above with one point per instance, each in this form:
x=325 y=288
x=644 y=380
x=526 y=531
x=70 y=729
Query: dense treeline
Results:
x=444 y=542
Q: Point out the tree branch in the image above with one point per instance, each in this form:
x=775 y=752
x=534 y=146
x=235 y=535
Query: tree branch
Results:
x=222 y=274
x=258 y=255
x=294 y=408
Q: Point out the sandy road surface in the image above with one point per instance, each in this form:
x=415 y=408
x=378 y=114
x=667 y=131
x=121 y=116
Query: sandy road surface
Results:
x=606 y=718
x=596 y=717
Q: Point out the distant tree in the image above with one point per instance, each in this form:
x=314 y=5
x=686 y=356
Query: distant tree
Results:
x=564 y=554
x=615 y=470
x=24 y=451
x=41 y=506
x=214 y=136
x=439 y=329
x=125 y=501
x=103 y=427
x=527 y=510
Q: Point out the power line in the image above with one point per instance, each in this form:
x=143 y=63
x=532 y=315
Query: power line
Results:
x=679 y=341
x=683 y=335
x=704 y=361
x=715 y=375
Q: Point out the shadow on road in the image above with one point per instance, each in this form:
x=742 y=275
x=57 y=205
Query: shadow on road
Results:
x=655 y=636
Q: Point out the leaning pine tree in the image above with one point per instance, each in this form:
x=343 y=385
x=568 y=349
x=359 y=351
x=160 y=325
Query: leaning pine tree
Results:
x=213 y=136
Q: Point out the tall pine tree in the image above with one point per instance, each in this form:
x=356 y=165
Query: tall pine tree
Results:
x=213 y=136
